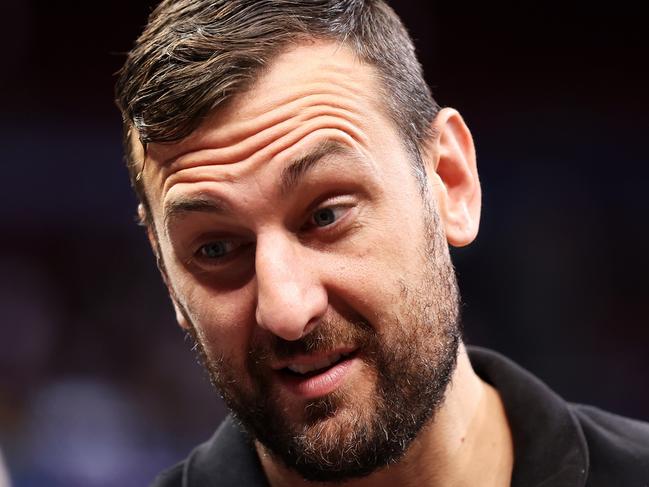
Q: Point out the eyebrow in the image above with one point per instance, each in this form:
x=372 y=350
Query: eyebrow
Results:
x=289 y=180
x=298 y=168
x=193 y=204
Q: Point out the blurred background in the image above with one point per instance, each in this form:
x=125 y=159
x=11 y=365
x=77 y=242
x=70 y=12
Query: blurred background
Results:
x=97 y=384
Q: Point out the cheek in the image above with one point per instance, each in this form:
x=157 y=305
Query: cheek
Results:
x=388 y=256
x=223 y=321
x=369 y=282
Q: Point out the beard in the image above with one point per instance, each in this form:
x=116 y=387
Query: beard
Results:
x=410 y=353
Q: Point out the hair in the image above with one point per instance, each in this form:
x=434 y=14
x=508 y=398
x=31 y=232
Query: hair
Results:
x=194 y=55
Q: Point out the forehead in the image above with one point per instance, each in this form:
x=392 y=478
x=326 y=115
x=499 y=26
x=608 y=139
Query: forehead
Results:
x=311 y=68
x=312 y=91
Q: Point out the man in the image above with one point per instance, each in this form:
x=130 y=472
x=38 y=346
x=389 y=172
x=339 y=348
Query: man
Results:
x=299 y=187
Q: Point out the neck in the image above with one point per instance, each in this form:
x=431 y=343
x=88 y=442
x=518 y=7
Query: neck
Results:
x=468 y=442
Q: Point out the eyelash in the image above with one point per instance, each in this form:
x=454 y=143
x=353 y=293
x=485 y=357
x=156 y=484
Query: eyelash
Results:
x=240 y=245
x=311 y=225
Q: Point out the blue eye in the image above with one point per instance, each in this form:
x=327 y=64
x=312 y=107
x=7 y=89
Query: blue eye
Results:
x=222 y=254
x=216 y=250
x=324 y=217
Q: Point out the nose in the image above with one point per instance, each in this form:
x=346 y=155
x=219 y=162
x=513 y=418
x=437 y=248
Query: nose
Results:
x=290 y=297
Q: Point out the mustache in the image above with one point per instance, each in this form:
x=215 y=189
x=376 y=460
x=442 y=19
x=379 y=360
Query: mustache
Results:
x=328 y=335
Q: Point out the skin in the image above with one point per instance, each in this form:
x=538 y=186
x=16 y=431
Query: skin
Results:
x=285 y=274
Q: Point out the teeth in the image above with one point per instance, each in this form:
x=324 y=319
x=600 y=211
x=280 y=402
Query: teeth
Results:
x=304 y=369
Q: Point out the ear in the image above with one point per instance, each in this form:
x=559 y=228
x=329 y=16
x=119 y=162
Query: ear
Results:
x=453 y=175
x=181 y=317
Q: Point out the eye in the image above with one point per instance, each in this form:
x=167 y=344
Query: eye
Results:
x=217 y=250
x=326 y=216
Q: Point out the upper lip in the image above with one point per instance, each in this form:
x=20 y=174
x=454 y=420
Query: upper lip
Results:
x=311 y=359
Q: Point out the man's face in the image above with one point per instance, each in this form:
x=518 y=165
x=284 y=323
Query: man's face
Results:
x=313 y=274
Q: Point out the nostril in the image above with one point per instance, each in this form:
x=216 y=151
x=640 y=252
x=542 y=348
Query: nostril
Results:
x=290 y=319
x=311 y=325
x=286 y=326
x=290 y=299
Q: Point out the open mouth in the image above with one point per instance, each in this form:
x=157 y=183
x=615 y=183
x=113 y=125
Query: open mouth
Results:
x=310 y=377
x=315 y=368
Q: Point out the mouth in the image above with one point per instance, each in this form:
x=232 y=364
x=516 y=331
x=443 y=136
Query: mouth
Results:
x=311 y=377
x=315 y=367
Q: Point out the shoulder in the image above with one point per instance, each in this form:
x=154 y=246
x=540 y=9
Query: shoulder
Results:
x=172 y=477
x=618 y=447
x=228 y=459
x=559 y=443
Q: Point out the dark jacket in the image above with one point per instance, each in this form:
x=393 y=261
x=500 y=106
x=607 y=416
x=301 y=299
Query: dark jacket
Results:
x=556 y=444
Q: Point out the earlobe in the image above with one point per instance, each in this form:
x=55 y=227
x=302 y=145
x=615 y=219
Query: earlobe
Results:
x=153 y=238
x=180 y=316
x=142 y=216
x=453 y=175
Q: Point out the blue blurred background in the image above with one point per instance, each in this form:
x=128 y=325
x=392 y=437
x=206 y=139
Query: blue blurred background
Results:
x=97 y=385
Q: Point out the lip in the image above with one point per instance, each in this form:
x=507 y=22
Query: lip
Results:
x=311 y=359
x=318 y=385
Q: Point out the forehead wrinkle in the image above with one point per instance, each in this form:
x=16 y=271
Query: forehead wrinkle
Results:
x=300 y=130
x=245 y=130
x=334 y=81
x=265 y=117
x=245 y=147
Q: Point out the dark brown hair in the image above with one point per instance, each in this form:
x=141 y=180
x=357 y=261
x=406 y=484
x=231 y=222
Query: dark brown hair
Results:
x=195 y=54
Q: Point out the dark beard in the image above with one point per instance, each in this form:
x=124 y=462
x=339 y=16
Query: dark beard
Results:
x=339 y=436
